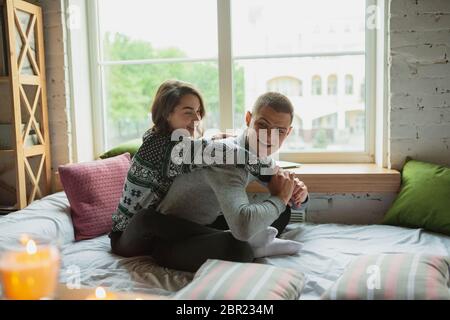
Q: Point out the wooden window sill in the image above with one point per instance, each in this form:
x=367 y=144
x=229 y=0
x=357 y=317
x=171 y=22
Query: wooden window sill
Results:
x=343 y=177
x=331 y=178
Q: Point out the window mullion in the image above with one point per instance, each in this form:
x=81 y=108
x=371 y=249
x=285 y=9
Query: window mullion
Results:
x=97 y=79
x=225 y=64
x=370 y=83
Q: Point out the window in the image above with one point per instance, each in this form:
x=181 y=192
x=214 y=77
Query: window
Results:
x=348 y=84
x=332 y=85
x=240 y=50
x=286 y=85
x=137 y=55
x=316 y=85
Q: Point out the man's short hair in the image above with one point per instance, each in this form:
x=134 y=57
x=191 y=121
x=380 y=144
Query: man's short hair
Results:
x=276 y=101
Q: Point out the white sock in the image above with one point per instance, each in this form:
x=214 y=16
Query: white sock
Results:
x=263 y=237
x=277 y=247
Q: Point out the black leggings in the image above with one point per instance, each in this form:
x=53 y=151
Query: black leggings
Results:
x=181 y=244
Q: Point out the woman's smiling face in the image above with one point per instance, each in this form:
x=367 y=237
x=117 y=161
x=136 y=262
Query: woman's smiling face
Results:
x=187 y=114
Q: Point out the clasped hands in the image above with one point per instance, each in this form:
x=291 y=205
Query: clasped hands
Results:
x=288 y=187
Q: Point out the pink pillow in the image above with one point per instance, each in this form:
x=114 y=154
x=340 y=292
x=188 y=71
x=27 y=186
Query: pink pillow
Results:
x=94 y=190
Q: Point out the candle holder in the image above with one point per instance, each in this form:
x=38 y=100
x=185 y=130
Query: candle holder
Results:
x=29 y=267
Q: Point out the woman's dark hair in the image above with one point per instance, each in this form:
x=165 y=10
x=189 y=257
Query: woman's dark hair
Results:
x=167 y=98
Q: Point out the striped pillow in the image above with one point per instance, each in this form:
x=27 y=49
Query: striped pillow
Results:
x=226 y=280
x=393 y=276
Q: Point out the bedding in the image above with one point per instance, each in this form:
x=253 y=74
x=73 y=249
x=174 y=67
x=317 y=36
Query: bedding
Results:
x=327 y=250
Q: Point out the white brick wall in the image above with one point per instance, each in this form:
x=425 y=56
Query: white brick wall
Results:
x=420 y=81
x=57 y=86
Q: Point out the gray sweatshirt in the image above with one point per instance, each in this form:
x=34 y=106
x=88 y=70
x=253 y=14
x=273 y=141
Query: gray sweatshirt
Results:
x=201 y=196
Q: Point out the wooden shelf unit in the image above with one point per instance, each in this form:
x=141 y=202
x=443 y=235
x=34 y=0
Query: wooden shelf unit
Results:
x=23 y=111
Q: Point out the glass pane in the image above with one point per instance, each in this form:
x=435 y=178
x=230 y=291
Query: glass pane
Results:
x=7 y=178
x=32 y=45
x=3 y=53
x=130 y=90
x=322 y=122
x=30 y=95
x=158 y=29
x=34 y=163
x=19 y=44
x=24 y=19
x=293 y=26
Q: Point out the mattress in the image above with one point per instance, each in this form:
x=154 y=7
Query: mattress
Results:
x=327 y=249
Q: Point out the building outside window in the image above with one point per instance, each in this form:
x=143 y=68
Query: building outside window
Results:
x=348 y=84
x=332 y=85
x=288 y=86
x=316 y=85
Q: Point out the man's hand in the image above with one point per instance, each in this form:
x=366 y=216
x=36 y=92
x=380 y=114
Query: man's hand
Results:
x=300 y=193
x=222 y=135
x=282 y=185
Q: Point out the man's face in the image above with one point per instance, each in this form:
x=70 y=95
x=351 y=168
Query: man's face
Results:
x=266 y=123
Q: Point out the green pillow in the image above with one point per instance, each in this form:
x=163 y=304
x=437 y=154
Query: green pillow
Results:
x=424 y=198
x=131 y=147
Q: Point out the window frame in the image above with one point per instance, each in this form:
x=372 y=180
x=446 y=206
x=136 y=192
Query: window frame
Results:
x=225 y=60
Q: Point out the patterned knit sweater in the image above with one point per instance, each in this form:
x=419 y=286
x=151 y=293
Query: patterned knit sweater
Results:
x=152 y=170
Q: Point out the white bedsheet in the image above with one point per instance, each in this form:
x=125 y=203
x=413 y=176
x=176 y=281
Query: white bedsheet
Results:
x=327 y=249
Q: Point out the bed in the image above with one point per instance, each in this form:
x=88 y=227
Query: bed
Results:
x=327 y=250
